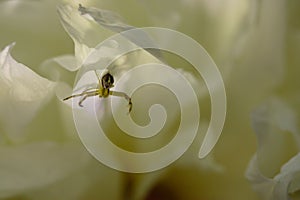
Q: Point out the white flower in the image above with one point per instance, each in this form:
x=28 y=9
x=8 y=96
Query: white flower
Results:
x=253 y=44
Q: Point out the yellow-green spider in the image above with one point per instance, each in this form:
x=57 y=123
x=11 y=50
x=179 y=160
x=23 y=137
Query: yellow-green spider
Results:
x=104 y=84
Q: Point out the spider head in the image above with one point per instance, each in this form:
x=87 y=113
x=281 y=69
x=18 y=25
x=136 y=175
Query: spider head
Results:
x=107 y=80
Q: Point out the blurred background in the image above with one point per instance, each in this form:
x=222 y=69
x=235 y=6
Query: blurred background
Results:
x=254 y=43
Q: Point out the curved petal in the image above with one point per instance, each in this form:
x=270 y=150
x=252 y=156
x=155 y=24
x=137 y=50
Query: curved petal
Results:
x=114 y=22
x=22 y=92
x=86 y=34
x=278 y=140
x=260 y=183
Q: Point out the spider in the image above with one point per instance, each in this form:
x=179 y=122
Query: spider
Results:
x=104 y=84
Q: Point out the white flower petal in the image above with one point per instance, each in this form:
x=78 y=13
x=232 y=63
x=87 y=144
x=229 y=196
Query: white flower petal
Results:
x=105 y=18
x=94 y=181
x=67 y=61
x=23 y=93
x=276 y=129
x=82 y=24
x=275 y=126
x=113 y=22
x=289 y=175
x=58 y=68
x=86 y=34
x=260 y=183
x=31 y=166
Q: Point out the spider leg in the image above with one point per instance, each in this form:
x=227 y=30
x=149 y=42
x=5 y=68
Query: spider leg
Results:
x=86 y=95
x=122 y=94
x=89 y=89
x=81 y=94
x=85 y=88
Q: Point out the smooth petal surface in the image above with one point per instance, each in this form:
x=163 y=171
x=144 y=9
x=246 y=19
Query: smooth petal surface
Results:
x=74 y=25
x=91 y=181
x=114 y=22
x=22 y=92
x=28 y=167
x=67 y=61
x=106 y=18
x=85 y=33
